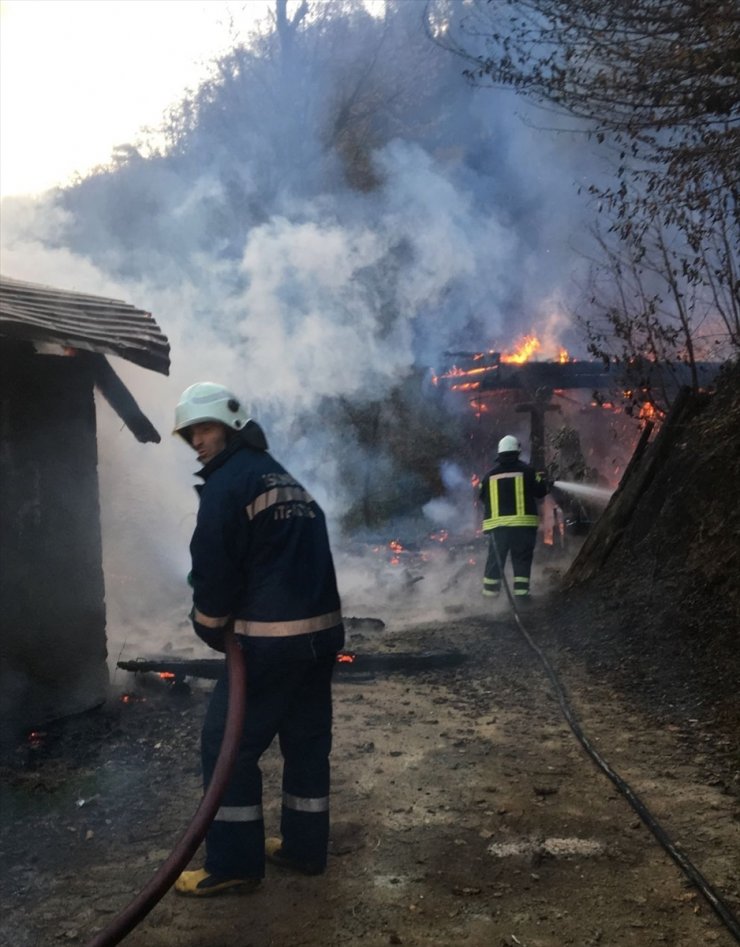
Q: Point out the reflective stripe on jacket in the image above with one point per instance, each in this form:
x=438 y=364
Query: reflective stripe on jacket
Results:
x=509 y=493
x=260 y=550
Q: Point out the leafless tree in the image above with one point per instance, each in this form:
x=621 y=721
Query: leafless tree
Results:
x=657 y=82
x=643 y=310
x=660 y=77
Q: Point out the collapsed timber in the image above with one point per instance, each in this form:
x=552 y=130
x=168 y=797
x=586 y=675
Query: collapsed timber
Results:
x=176 y=670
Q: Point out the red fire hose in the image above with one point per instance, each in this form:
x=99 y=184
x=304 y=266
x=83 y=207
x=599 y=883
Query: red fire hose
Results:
x=181 y=854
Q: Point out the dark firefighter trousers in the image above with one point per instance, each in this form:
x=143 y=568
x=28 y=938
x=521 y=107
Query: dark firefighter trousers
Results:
x=519 y=541
x=288 y=695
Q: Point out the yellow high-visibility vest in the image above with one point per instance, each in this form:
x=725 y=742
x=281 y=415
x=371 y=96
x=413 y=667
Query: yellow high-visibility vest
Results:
x=510 y=517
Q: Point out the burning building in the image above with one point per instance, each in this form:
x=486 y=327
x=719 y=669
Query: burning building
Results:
x=578 y=419
x=53 y=345
x=538 y=386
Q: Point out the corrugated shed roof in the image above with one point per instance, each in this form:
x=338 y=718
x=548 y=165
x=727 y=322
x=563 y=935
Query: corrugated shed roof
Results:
x=44 y=314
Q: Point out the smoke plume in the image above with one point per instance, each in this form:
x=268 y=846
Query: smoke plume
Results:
x=335 y=209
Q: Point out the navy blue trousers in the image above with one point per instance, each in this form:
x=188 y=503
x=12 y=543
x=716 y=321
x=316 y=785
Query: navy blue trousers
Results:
x=288 y=696
x=519 y=541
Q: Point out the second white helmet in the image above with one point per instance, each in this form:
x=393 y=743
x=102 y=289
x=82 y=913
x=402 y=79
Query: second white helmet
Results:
x=207 y=401
x=509 y=444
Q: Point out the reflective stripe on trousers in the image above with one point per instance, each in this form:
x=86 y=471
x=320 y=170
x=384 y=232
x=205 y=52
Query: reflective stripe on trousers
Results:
x=288 y=695
x=302 y=804
x=517 y=541
x=521 y=585
x=238 y=814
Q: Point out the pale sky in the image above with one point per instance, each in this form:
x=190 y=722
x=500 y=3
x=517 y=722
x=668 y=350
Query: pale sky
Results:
x=78 y=77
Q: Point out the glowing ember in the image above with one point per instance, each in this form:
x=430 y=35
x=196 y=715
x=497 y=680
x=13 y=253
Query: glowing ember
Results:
x=648 y=412
x=131 y=699
x=466 y=386
x=167 y=675
x=491 y=364
x=36 y=739
x=396 y=548
x=472 y=371
x=344 y=657
x=441 y=536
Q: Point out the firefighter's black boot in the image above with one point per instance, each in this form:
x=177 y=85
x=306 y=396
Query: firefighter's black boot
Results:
x=274 y=854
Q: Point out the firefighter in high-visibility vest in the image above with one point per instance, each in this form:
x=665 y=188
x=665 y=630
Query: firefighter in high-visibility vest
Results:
x=509 y=493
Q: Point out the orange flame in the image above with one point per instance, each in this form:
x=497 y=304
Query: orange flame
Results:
x=345 y=658
x=457 y=372
x=524 y=351
x=167 y=675
x=563 y=356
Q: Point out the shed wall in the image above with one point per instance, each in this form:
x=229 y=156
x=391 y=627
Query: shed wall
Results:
x=52 y=607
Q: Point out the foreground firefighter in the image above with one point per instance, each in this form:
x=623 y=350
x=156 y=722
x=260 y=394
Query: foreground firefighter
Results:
x=509 y=493
x=262 y=564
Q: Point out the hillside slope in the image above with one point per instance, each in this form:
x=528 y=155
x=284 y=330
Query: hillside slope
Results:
x=662 y=615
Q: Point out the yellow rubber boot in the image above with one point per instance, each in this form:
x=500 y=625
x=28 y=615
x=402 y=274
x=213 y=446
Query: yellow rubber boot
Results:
x=202 y=884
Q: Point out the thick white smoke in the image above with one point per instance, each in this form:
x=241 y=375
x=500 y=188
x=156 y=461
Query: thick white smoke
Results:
x=338 y=208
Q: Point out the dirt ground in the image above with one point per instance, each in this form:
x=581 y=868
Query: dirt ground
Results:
x=464 y=810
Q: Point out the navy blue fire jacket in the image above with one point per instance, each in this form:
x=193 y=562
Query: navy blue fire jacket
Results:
x=260 y=551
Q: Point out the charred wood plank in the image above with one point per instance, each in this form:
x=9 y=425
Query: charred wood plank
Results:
x=567 y=376
x=347 y=663
x=208 y=668
x=121 y=400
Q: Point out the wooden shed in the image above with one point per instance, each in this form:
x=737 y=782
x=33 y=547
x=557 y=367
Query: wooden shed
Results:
x=53 y=347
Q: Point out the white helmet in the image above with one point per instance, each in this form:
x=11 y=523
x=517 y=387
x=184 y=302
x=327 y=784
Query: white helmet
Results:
x=509 y=445
x=207 y=401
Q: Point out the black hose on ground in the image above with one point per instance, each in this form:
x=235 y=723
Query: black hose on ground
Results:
x=181 y=854
x=713 y=898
